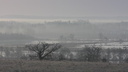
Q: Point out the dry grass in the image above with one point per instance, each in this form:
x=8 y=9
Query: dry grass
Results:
x=59 y=66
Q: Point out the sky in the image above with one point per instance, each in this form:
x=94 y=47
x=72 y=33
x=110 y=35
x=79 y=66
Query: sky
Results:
x=64 y=8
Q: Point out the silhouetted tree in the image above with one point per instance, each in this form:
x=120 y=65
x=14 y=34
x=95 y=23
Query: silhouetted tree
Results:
x=18 y=52
x=108 y=51
x=43 y=49
x=90 y=53
x=121 y=41
x=64 y=54
x=104 y=60
x=7 y=52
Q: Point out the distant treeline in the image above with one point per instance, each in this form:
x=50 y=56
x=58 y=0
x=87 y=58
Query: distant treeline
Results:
x=80 y=29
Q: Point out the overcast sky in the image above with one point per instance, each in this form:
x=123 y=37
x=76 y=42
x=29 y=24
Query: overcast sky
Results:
x=64 y=8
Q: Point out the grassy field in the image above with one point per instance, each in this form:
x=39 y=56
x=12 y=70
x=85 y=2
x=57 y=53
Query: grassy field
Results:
x=59 y=66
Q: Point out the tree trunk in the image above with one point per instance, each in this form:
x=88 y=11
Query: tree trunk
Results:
x=39 y=56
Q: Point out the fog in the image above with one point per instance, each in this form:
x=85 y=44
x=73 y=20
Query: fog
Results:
x=21 y=32
x=61 y=31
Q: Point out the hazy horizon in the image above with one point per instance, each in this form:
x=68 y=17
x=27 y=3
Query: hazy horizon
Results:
x=93 y=20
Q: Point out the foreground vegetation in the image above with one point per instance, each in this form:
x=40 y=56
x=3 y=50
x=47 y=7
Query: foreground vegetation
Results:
x=59 y=66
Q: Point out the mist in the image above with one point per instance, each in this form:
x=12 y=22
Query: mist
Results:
x=62 y=30
x=63 y=35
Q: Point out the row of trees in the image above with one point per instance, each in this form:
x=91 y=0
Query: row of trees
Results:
x=45 y=51
x=88 y=53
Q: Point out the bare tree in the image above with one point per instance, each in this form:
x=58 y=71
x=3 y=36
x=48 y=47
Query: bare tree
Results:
x=90 y=53
x=43 y=49
x=65 y=54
